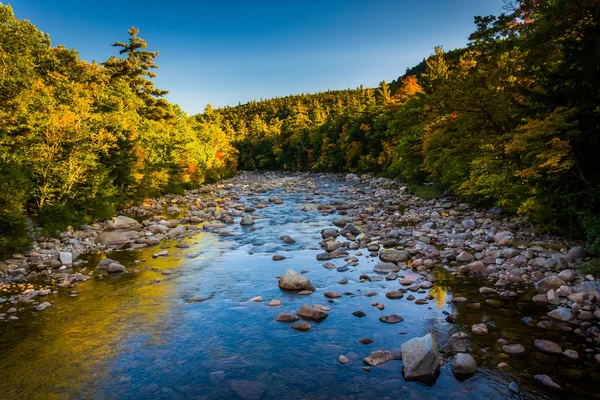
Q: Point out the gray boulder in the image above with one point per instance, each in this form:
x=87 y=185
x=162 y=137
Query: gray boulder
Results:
x=420 y=357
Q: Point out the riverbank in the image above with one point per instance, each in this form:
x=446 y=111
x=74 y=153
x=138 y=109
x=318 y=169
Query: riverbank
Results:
x=376 y=234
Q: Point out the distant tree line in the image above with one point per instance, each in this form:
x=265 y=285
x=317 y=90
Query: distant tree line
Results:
x=512 y=120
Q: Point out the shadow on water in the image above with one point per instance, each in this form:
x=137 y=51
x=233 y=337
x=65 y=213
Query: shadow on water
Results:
x=128 y=337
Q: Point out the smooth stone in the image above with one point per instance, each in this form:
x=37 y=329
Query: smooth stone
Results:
x=381 y=356
x=479 y=329
x=391 y=319
x=514 y=349
x=301 y=326
x=286 y=317
x=464 y=364
x=547 y=346
x=308 y=312
x=292 y=280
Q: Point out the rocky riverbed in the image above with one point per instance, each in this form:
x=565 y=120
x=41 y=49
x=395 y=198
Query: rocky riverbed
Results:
x=477 y=297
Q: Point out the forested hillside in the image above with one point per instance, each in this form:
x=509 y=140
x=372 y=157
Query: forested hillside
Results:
x=512 y=120
x=80 y=140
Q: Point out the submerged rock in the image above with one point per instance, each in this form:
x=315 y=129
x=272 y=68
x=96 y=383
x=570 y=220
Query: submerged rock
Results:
x=381 y=356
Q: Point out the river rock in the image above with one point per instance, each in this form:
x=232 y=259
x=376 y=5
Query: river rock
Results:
x=486 y=291
x=465 y=257
x=464 y=364
x=329 y=232
x=311 y=313
x=513 y=349
x=561 y=314
x=394 y=295
x=115 y=267
x=457 y=343
x=386 y=267
x=292 y=280
x=332 y=295
x=286 y=317
x=420 y=357
x=66 y=258
x=247 y=220
x=343 y=359
x=393 y=256
x=479 y=329
x=301 y=326
x=380 y=356
x=104 y=263
x=577 y=252
x=548 y=347
x=123 y=222
x=550 y=282
x=111 y=238
x=391 y=319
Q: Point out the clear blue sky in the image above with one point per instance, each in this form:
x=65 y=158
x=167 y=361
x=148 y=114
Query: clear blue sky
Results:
x=228 y=51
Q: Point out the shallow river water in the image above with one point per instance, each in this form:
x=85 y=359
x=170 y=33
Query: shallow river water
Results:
x=127 y=337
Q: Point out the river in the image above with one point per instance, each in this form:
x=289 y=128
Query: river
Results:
x=127 y=336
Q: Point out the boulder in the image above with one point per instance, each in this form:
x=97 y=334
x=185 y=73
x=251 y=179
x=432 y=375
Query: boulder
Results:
x=420 y=357
x=292 y=280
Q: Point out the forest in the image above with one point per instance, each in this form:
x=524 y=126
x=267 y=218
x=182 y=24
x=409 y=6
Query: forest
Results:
x=511 y=120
